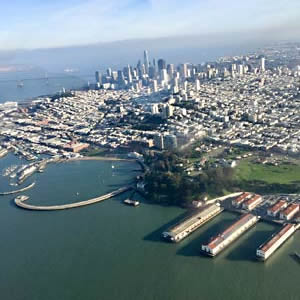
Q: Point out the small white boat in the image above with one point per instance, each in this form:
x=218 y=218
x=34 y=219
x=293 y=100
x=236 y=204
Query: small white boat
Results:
x=131 y=202
x=22 y=198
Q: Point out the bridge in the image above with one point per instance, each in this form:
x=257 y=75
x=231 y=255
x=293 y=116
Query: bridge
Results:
x=20 y=203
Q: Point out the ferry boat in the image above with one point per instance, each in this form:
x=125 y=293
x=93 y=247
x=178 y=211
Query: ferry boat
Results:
x=131 y=202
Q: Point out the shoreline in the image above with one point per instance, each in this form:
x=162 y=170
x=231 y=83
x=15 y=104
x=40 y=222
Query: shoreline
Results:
x=87 y=158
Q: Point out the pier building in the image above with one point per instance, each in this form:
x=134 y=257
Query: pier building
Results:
x=276 y=240
x=274 y=210
x=289 y=212
x=189 y=224
x=252 y=202
x=225 y=238
x=239 y=200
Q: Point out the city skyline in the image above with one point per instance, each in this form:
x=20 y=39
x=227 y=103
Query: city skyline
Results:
x=47 y=24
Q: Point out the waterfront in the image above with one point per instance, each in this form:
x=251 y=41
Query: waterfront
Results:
x=113 y=251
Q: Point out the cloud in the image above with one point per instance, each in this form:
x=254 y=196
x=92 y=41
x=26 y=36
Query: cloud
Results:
x=61 y=23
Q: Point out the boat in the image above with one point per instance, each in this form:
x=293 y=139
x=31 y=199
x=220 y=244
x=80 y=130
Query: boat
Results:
x=22 y=198
x=42 y=168
x=131 y=202
x=112 y=166
x=13 y=175
x=8 y=171
x=20 y=84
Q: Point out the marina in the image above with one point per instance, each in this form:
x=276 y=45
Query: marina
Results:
x=26 y=173
x=136 y=231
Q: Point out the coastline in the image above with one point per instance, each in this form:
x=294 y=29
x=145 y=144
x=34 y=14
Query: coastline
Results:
x=86 y=158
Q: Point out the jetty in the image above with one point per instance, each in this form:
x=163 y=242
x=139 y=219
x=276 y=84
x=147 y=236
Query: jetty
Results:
x=18 y=191
x=20 y=203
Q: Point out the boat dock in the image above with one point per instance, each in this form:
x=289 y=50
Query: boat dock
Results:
x=193 y=221
x=3 y=152
x=22 y=204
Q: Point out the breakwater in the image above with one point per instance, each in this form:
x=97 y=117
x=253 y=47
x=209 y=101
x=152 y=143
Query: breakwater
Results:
x=18 y=191
x=22 y=204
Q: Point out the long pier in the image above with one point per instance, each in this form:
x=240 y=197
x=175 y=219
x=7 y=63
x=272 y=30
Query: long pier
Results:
x=18 y=191
x=20 y=203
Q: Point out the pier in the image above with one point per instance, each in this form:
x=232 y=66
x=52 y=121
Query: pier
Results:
x=18 y=191
x=22 y=204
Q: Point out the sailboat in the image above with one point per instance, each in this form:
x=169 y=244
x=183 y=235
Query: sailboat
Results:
x=20 y=84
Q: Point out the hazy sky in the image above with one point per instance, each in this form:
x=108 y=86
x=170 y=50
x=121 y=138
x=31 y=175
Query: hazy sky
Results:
x=51 y=23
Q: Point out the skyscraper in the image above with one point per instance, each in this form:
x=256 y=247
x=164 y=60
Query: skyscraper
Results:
x=197 y=85
x=146 y=61
x=161 y=64
x=184 y=70
x=98 y=77
x=155 y=87
x=109 y=72
x=164 y=75
x=262 y=64
x=170 y=70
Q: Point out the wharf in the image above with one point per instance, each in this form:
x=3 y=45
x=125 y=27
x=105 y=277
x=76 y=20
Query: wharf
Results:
x=20 y=203
x=275 y=241
x=224 y=239
x=3 y=152
x=192 y=222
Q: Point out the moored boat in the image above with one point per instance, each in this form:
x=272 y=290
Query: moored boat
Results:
x=131 y=202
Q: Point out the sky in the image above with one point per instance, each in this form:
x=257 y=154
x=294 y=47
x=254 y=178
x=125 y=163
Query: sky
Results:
x=31 y=24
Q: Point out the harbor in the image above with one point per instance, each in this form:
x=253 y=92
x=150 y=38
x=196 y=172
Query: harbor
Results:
x=134 y=230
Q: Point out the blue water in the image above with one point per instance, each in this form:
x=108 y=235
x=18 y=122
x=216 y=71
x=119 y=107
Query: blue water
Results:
x=37 y=83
